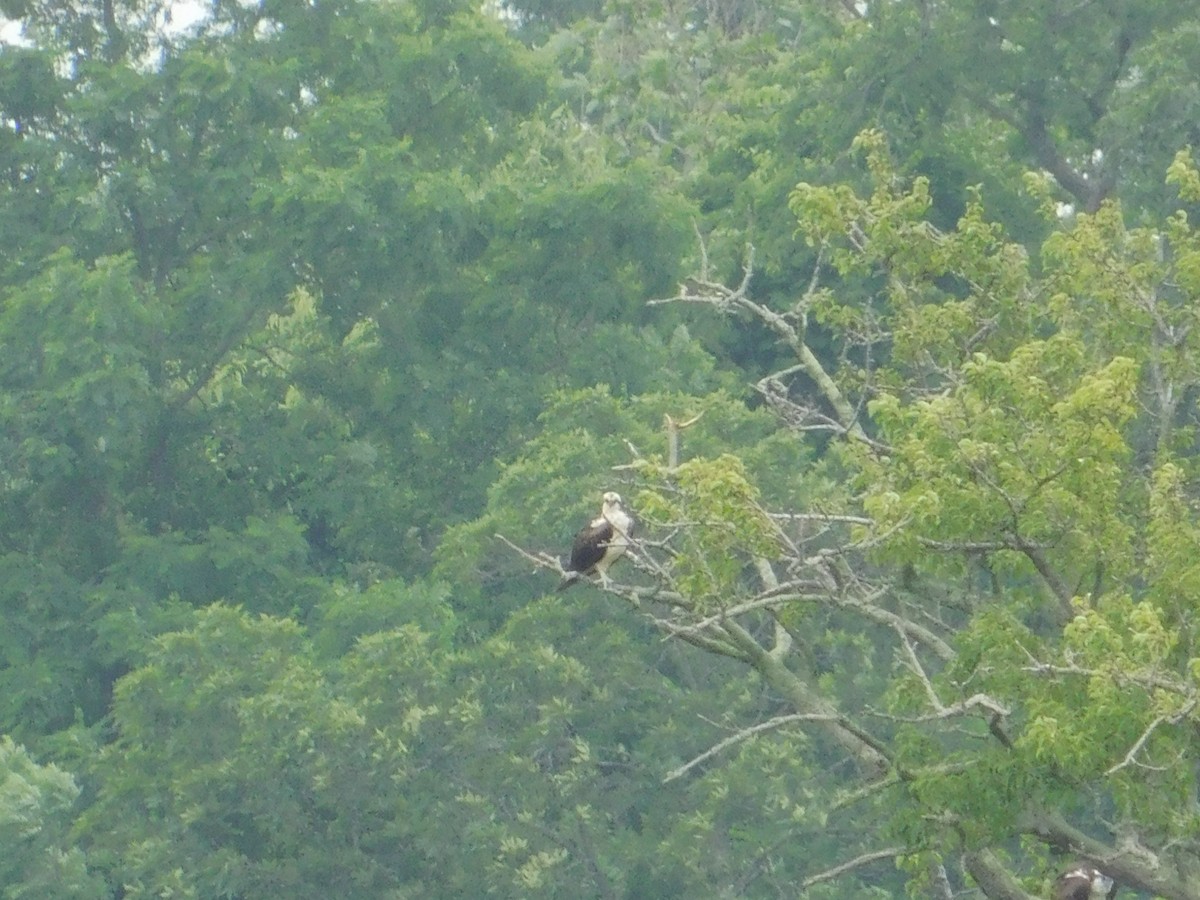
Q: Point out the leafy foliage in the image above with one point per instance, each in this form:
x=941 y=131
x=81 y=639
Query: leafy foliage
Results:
x=36 y=803
x=325 y=326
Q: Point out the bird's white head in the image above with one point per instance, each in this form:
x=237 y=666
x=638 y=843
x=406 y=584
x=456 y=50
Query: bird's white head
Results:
x=1101 y=884
x=614 y=511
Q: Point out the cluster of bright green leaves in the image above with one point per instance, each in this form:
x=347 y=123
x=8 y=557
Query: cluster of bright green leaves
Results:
x=995 y=432
x=1027 y=449
x=725 y=525
x=1032 y=446
x=36 y=806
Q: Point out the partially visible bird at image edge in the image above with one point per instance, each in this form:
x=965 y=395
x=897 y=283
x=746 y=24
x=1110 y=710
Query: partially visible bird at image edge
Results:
x=1084 y=883
x=600 y=543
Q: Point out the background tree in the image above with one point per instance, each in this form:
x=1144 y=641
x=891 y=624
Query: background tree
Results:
x=36 y=803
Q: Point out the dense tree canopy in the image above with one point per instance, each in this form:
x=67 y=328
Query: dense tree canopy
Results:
x=325 y=325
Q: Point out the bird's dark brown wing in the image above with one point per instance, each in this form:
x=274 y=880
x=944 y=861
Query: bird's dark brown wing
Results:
x=590 y=544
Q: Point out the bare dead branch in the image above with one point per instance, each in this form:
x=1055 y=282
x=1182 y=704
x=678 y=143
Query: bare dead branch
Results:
x=978 y=546
x=939 y=883
x=868 y=751
x=1130 y=758
x=1148 y=681
x=703 y=641
x=541 y=560
x=858 y=862
x=962 y=707
x=823 y=518
x=1132 y=868
x=865 y=792
x=725 y=299
x=703 y=250
x=758 y=603
x=906 y=627
x=744 y=735
x=940 y=710
x=674 y=428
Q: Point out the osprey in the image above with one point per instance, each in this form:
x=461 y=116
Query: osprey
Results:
x=1084 y=883
x=600 y=543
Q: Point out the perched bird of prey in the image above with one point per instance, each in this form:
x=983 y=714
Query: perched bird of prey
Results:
x=600 y=543
x=1084 y=883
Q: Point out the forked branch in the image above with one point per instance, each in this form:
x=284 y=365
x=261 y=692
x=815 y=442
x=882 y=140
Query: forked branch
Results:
x=729 y=300
x=743 y=735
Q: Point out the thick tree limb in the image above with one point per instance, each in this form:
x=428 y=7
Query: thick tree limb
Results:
x=1088 y=192
x=992 y=877
x=939 y=883
x=1133 y=869
x=867 y=751
x=904 y=626
x=709 y=641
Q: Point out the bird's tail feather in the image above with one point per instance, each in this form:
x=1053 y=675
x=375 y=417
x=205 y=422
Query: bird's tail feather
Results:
x=567 y=581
